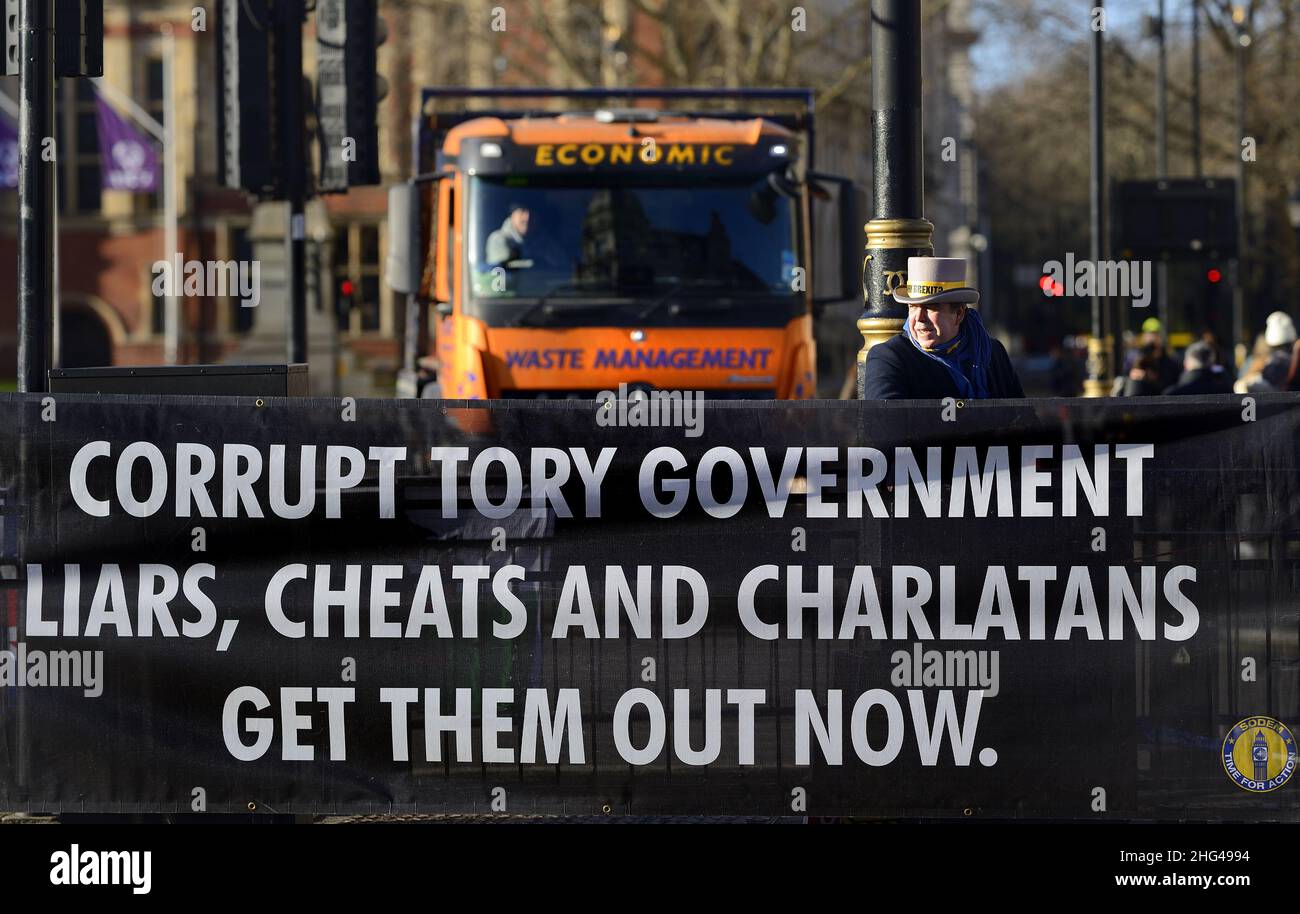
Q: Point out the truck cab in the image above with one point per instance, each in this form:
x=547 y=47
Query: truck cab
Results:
x=566 y=254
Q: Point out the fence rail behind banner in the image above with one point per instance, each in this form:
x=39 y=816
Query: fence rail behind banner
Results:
x=1064 y=609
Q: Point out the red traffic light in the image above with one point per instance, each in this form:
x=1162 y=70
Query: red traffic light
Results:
x=345 y=288
x=1213 y=275
x=1051 y=288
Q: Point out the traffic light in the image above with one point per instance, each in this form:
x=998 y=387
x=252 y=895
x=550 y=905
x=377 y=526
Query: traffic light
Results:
x=348 y=92
x=246 y=141
x=1213 y=275
x=1175 y=218
x=78 y=37
x=343 y=302
x=13 y=49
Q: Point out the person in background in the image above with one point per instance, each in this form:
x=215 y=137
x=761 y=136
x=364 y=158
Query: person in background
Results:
x=505 y=246
x=1222 y=357
x=1067 y=371
x=1168 y=369
x=1293 y=374
x=1149 y=334
x=1270 y=365
x=1143 y=379
x=1201 y=374
x=1150 y=344
x=943 y=349
x=1259 y=356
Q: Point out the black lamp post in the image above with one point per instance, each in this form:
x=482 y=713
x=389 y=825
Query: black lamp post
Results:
x=897 y=229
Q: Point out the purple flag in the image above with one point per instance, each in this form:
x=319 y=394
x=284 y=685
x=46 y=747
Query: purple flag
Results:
x=8 y=153
x=130 y=160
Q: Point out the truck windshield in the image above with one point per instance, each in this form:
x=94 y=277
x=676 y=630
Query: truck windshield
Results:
x=619 y=247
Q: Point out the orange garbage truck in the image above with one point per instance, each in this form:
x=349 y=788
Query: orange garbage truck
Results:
x=551 y=254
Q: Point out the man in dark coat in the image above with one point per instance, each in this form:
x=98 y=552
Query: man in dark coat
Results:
x=1200 y=373
x=943 y=349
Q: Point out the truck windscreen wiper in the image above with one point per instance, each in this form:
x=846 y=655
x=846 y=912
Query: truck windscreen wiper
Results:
x=544 y=300
x=675 y=290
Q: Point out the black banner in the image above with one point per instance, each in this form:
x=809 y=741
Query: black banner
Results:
x=1064 y=609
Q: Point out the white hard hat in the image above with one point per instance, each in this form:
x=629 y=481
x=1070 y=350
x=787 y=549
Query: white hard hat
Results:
x=1279 y=329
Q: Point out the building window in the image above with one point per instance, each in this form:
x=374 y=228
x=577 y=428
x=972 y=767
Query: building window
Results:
x=158 y=318
x=342 y=271
x=241 y=251
x=77 y=137
x=150 y=96
x=357 y=260
x=369 y=269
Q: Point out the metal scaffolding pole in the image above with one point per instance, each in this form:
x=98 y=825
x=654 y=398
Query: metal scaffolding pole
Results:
x=292 y=126
x=1162 y=160
x=1101 y=349
x=1240 y=270
x=36 y=195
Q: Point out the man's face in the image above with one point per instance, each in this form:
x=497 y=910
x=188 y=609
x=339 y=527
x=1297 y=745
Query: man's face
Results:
x=519 y=219
x=933 y=325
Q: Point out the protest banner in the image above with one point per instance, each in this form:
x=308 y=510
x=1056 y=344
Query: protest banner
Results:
x=1019 y=609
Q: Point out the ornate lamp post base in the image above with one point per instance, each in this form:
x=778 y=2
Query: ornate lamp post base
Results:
x=889 y=243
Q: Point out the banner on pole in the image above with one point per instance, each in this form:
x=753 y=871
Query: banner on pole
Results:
x=129 y=158
x=9 y=154
x=1064 y=609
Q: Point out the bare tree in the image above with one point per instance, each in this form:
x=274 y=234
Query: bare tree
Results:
x=1033 y=130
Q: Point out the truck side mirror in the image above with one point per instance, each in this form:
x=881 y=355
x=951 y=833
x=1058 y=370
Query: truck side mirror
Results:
x=405 y=261
x=444 y=249
x=851 y=240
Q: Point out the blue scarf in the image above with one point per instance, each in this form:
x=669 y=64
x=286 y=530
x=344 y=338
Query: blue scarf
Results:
x=966 y=357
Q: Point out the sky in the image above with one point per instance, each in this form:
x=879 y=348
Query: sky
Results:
x=1000 y=57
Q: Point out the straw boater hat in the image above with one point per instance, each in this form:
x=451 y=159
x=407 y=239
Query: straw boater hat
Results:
x=937 y=280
